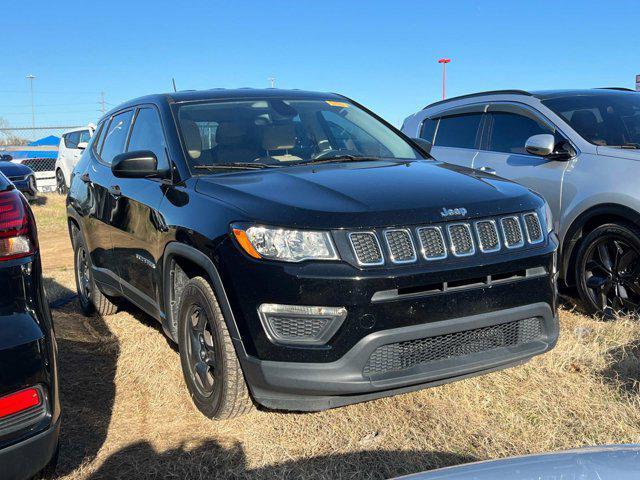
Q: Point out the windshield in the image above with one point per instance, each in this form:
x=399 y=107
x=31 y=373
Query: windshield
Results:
x=277 y=132
x=607 y=119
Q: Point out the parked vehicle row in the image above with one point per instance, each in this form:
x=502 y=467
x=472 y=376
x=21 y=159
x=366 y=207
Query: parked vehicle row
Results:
x=580 y=150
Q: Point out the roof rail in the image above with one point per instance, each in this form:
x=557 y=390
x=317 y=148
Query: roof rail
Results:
x=622 y=89
x=480 y=94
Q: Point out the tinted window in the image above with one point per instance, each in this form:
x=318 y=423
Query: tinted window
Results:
x=147 y=134
x=510 y=132
x=71 y=139
x=115 y=136
x=428 y=130
x=458 y=131
x=603 y=119
x=85 y=136
x=97 y=136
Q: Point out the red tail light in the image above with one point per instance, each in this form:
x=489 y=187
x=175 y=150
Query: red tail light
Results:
x=19 y=401
x=16 y=232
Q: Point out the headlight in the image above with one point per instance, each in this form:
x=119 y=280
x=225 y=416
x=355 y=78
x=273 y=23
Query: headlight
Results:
x=548 y=216
x=284 y=244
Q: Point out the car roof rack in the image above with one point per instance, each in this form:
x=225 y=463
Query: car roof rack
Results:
x=481 y=94
x=622 y=89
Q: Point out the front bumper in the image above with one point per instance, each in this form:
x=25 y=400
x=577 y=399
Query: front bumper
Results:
x=387 y=307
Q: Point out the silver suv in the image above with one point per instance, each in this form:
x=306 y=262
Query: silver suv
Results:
x=577 y=148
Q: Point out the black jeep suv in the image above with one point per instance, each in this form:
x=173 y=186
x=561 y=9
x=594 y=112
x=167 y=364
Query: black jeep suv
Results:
x=304 y=253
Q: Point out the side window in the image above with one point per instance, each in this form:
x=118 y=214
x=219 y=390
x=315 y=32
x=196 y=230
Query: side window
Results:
x=115 y=136
x=429 y=129
x=72 y=139
x=510 y=131
x=85 y=136
x=147 y=134
x=458 y=131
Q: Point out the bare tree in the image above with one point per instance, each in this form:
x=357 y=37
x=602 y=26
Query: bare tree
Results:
x=8 y=136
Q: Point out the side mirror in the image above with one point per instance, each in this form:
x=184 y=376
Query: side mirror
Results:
x=423 y=144
x=82 y=145
x=137 y=164
x=541 y=145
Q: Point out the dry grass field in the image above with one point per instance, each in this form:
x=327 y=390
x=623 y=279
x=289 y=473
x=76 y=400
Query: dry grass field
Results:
x=126 y=412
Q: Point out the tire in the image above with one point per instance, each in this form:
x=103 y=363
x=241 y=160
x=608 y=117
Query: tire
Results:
x=91 y=299
x=209 y=362
x=608 y=269
x=61 y=184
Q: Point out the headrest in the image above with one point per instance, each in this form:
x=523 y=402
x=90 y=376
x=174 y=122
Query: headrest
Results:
x=230 y=133
x=585 y=122
x=192 y=138
x=279 y=137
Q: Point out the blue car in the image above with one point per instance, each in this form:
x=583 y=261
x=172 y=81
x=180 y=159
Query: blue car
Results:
x=21 y=176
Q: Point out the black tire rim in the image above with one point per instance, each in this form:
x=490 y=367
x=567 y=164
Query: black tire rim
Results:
x=201 y=350
x=83 y=274
x=611 y=271
x=62 y=187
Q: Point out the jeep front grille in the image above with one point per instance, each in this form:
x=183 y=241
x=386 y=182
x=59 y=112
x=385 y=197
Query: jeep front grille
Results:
x=461 y=239
x=400 y=245
x=534 y=230
x=488 y=239
x=512 y=232
x=437 y=242
x=432 y=243
x=366 y=247
x=399 y=356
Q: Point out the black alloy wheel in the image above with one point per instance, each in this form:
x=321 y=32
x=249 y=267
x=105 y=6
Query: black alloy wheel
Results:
x=609 y=270
x=201 y=351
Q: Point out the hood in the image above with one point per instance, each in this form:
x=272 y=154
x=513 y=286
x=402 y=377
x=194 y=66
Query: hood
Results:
x=11 y=169
x=365 y=194
x=627 y=153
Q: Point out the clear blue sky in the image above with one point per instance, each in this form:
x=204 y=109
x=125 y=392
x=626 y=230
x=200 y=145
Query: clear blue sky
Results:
x=383 y=54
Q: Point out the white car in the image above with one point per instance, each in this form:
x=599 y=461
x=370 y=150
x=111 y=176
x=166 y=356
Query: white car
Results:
x=71 y=146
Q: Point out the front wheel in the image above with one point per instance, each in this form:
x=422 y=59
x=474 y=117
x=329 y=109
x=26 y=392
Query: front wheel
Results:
x=608 y=270
x=209 y=362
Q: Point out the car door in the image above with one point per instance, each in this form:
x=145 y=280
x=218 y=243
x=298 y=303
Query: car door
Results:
x=503 y=152
x=67 y=155
x=455 y=135
x=102 y=206
x=138 y=225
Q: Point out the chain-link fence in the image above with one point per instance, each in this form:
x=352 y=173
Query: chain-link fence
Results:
x=36 y=147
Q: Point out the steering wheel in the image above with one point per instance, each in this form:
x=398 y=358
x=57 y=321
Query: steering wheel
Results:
x=334 y=152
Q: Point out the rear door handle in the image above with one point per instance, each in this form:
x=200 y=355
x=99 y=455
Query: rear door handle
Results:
x=115 y=190
x=486 y=169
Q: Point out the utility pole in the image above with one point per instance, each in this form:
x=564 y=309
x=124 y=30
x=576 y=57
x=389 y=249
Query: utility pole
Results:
x=444 y=62
x=33 y=108
x=272 y=81
x=103 y=103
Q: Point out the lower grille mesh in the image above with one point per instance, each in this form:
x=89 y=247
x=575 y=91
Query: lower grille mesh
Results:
x=295 y=328
x=400 y=356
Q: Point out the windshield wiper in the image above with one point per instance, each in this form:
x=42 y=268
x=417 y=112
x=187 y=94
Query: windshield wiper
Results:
x=235 y=166
x=340 y=158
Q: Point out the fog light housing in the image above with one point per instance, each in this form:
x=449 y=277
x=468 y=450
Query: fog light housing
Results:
x=299 y=324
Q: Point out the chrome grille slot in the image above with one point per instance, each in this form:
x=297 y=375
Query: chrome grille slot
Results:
x=366 y=248
x=400 y=244
x=488 y=238
x=432 y=243
x=461 y=239
x=512 y=232
x=533 y=228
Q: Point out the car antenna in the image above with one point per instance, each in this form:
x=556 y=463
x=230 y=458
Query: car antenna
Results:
x=173 y=80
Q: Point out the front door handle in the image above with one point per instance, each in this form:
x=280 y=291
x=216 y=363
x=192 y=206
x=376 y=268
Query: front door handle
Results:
x=115 y=190
x=486 y=169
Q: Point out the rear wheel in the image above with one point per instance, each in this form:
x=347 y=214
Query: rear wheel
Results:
x=608 y=270
x=90 y=297
x=209 y=361
x=61 y=185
